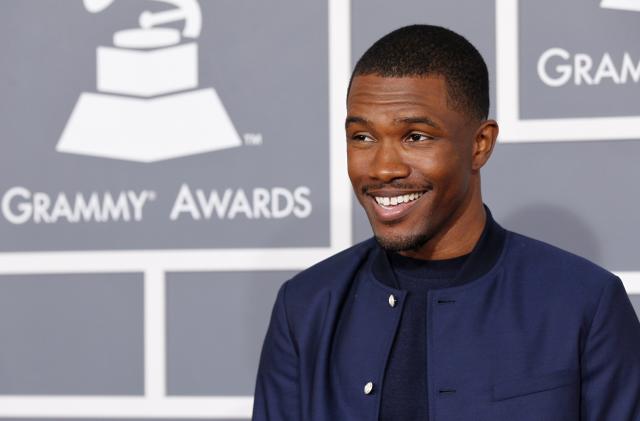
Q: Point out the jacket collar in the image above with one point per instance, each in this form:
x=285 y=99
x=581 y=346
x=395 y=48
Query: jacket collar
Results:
x=483 y=257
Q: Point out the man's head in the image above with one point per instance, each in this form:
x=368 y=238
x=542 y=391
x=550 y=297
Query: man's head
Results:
x=426 y=50
x=417 y=136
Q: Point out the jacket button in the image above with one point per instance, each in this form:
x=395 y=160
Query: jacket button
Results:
x=368 y=388
x=392 y=300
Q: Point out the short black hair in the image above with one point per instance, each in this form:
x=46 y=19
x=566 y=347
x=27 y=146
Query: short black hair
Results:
x=427 y=50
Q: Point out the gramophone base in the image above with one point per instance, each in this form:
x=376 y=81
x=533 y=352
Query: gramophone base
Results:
x=148 y=130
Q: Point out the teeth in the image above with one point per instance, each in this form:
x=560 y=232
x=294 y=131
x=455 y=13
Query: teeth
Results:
x=393 y=201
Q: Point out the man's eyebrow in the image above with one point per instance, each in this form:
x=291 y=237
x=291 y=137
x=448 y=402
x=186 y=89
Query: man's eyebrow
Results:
x=353 y=119
x=404 y=120
x=417 y=120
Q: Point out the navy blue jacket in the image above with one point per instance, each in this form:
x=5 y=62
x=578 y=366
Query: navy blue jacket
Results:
x=529 y=332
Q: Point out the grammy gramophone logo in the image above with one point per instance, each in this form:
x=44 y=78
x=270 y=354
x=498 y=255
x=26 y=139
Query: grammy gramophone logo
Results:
x=148 y=106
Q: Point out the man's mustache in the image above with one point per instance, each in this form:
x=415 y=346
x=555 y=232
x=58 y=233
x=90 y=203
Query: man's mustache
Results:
x=396 y=186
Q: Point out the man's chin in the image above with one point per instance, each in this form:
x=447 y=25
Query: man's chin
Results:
x=402 y=243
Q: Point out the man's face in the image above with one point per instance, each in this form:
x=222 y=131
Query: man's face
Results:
x=409 y=157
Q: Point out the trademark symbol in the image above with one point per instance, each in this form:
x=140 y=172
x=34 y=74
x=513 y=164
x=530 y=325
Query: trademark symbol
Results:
x=252 y=139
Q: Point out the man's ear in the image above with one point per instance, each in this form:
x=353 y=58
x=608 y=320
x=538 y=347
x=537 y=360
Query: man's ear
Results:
x=483 y=143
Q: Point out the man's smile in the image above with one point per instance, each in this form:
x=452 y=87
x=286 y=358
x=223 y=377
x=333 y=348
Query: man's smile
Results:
x=387 y=201
x=390 y=206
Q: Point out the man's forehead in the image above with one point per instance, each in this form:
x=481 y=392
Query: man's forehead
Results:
x=406 y=93
x=408 y=88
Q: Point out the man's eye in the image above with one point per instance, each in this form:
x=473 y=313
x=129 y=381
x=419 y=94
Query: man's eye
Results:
x=362 y=138
x=418 y=137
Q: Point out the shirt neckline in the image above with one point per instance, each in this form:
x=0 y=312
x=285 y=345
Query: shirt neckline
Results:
x=482 y=258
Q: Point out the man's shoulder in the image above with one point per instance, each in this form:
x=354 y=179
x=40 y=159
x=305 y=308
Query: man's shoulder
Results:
x=554 y=263
x=332 y=272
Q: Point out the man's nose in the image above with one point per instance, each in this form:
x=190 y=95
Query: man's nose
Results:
x=388 y=164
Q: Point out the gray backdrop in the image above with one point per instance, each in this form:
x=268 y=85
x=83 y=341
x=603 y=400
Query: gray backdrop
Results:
x=69 y=335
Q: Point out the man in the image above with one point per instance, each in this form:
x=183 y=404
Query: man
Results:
x=444 y=315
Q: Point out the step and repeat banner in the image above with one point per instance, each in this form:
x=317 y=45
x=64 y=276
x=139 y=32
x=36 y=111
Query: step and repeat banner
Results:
x=166 y=165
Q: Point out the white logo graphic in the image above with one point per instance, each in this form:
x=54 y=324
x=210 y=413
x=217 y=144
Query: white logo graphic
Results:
x=632 y=5
x=582 y=70
x=145 y=63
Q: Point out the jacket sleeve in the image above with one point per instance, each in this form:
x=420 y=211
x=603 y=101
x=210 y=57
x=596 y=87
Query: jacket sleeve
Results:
x=611 y=359
x=277 y=395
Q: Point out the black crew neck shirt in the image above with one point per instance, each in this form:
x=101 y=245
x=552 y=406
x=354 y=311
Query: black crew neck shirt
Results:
x=404 y=392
